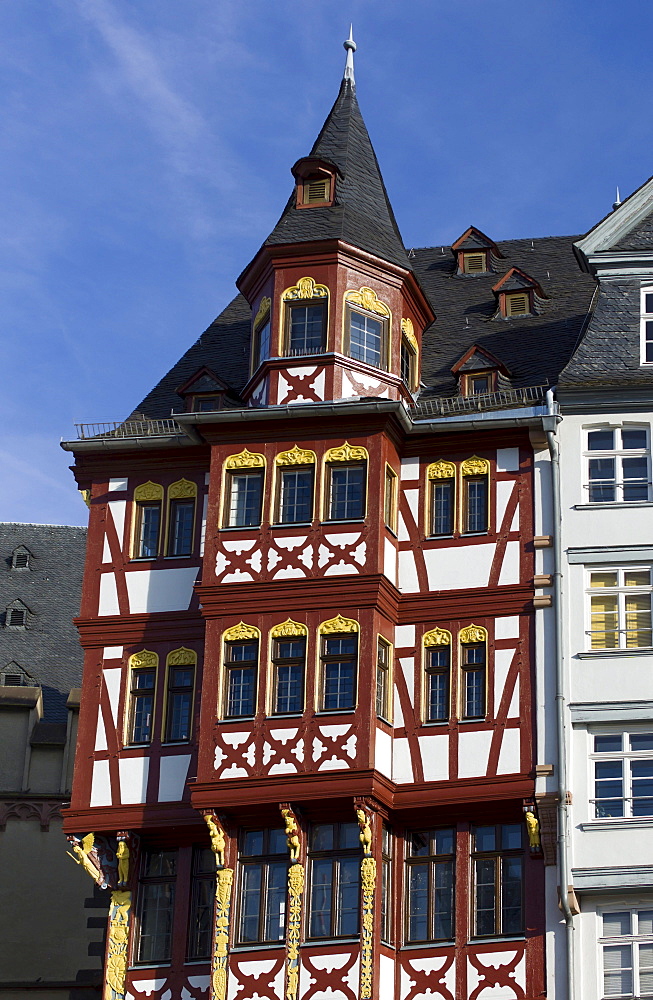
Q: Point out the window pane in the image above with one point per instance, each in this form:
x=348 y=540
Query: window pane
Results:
x=347 y=492
x=485 y=896
x=156 y=921
x=485 y=838
x=245 y=500
x=602 y=440
x=511 y=895
x=607 y=744
x=602 y=480
x=289 y=688
x=645 y=922
x=249 y=904
x=438 y=697
x=641 y=741
x=633 y=438
x=306 y=328
x=180 y=542
x=635 y=476
x=143 y=705
x=476 y=504
x=296 y=495
x=161 y=863
x=241 y=698
x=253 y=844
x=321 y=884
x=275 y=915
x=323 y=837
x=615 y=924
x=418 y=876
x=638 y=620
x=645 y=970
x=618 y=976
x=338 y=685
x=648 y=303
x=642 y=787
x=366 y=339
x=443 y=901
x=201 y=918
x=150 y=516
x=348 y=897
x=511 y=836
x=179 y=715
x=349 y=835
x=443 y=842
x=442 y=507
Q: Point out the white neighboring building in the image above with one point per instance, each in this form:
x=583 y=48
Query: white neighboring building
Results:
x=606 y=401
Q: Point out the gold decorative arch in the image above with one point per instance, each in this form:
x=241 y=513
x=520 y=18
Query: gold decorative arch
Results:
x=473 y=633
x=475 y=466
x=241 y=631
x=306 y=288
x=408 y=331
x=245 y=460
x=367 y=299
x=437 y=637
x=181 y=490
x=148 y=491
x=347 y=453
x=338 y=624
x=287 y=629
x=441 y=470
x=146 y=658
x=263 y=310
x=181 y=657
x=296 y=456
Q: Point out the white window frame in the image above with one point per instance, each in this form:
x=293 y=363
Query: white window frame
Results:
x=621 y=590
x=645 y=318
x=632 y=940
x=617 y=454
x=626 y=757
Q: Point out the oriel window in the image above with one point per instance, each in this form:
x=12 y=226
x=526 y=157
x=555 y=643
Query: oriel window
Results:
x=383 y=650
x=306 y=327
x=334 y=858
x=288 y=661
x=262 y=896
x=141 y=710
x=200 y=923
x=497 y=860
x=148 y=527
x=430 y=885
x=368 y=338
x=475 y=505
x=438 y=682
x=339 y=668
x=390 y=499
x=156 y=898
x=473 y=668
x=245 y=497
x=386 y=884
x=241 y=664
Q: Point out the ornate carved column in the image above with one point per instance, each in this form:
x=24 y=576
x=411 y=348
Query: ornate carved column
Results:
x=295 y=901
x=368 y=887
x=223 y=884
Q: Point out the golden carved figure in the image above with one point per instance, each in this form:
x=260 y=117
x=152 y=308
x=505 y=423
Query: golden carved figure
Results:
x=441 y=470
x=338 y=624
x=533 y=829
x=368 y=299
x=473 y=633
x=220 y=947
x=145 y=658
x=292 y=833
x=295 y=890
x=122 y=855
x=245 y=460
x=365 y=835
x=217 y=839
x=306 y=288
x=347 y=453
x=241 y=631
x=81 y=857
x=437 y=637
x=182 y=657
x=148 y=491
x=116 y=967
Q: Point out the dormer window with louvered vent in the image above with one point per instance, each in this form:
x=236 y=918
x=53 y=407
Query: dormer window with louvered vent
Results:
x=315 y=182
x=20 y=557
x=518 y=304
x=16 y=615
x=517 y=294
x=475 y=263
x=474 y=252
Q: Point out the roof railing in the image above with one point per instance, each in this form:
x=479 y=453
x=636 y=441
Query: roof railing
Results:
x=444 y=406
x=130 y=429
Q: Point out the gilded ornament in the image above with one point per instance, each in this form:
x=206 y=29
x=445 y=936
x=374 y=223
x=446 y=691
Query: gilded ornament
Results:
x=475 y=466
x=441 y=470
x=306 y=288
x=116 y=968
x=182 y=490
x=368 y=881
x=146 y=658
x=409 y=333
x=533 y=829
x=295 y=892
x=437 y=637
x=81 y=851
x=335 y=626
x=245 y=460
x=292 y=834
x=122 y=854
x=346 y=453
x=148 y=491
x=263 y=310
x=365 y=835
x=241 y=631
x=221 y=939
x=287 y=629
x=217 y=836
x=86 y=497
x=473 y=633
x=182 y=657
x=367 y=298
x=296 y=456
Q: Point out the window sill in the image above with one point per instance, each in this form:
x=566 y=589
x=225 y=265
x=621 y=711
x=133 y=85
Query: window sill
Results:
x=329 y=942
x=281 y=716
x=187 y=555
x=141 y=966
x=497 y=938
x=292 y=524
x=136 y=746
x=234 y=719
x=176 y=743
x=414 y=945
x=142 y=559
x=617 y=504
x=240 y=527
x=604 y=654
x=335 y=711
x=350 y=520
x=258 y=946
x=618 y=823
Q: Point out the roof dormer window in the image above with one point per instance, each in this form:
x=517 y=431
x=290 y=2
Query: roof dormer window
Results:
x=479 y=372
x=16 y=615
x=517 y=294
x=518 y=304
x=20 y=557
x=646 y=356
x=315 y=182
x=474 y=263
x=474 y=252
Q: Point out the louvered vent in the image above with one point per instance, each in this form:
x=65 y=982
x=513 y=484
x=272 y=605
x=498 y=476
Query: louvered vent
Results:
x=517 y=305
x=316 y=191
x=12 y=680
x=473 y=263
x=16 y=616
x=21 y=560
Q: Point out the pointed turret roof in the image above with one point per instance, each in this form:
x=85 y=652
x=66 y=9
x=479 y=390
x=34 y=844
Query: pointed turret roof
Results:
x=361 y=213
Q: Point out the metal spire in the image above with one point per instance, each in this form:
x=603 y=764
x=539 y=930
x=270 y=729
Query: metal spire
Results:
x=350 y=47
x=617 y=202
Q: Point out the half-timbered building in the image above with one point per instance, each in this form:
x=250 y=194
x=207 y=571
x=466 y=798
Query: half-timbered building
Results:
x=315 y=583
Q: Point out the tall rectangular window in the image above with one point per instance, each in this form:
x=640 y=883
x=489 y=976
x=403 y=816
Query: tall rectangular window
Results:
x=306 y=328
x=261 y=349
x=620 y=608
x=179 y=702
x=346 y=492
x=141 y=707
x=408 y=360
x=262 y=897
x=334 y=880
x=339 y=668
x=288 y=661
x=200 y=923
x=473 y=680
x=627 y=946
x=367 y=338
x=430 y=885
x=646 y=357
x=390 y=499
x=156 y=898
x=295 y=499
x=497 y=863
x=245 y=497
x=241 y=664
x=148 y=525
x=618 y=463
x=475 y=506
x=442 y=506
x=438 y=682
x=386 y=885
x=180 y=527
x=623 y=774
x=383 y=650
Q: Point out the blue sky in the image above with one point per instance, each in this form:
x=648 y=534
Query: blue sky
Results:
x=146 y=148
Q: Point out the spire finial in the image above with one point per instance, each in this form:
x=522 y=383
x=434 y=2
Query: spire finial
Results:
x=617 y=202
x=350 y=47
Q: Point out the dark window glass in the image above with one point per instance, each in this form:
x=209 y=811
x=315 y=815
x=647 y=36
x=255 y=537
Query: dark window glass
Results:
x=438 y=670
x=480 y=385
x=179 y=707
x=442 y=506
x=382 y=678
x=156 y=903
x=262 y=897
x=206 y=404
x=608 y=744
x=475 y=503
x=648 y=299
x=335 y=880
x=649 y=340
x=262 y=343
x=633 y=439
x=600 y=440
x=602 y=486
x=180 y=531
x=306 y=328
x=386 y=885
x=346 y=492
x=339 y=662
x=200 y=924
x=473 y=670
x=367 y=339
x=429 y=885
x=295 y=495
x=635 y=473
x=288 y=658
x=149 y=521
x=141 y=706
x=498 y=880
x=241 y=661
x=407 y=364
x=245 y=498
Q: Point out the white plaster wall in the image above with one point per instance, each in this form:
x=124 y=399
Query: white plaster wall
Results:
x=172 y=776
x=133 y=779
x=152 y=590
x=448 y=570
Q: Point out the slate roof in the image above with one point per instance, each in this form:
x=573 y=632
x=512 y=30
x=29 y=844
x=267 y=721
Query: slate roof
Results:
x=362 y=214
x=48 y=649
x=640 y=237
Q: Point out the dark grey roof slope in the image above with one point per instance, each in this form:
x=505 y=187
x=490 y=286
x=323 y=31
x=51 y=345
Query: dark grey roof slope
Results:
x=361 y=215
x=608 y=354
x=534 y=348
x=48 y=648
x=640 y=236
